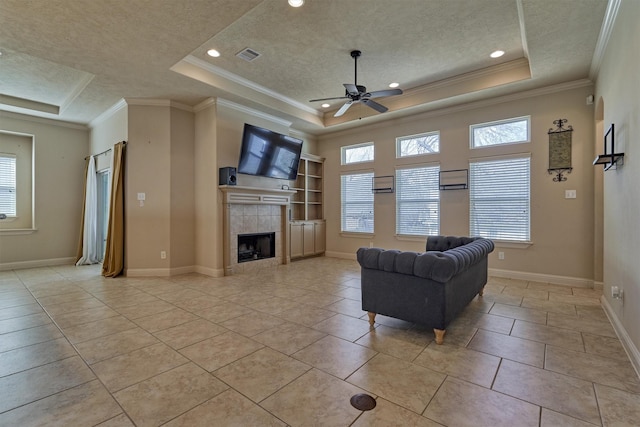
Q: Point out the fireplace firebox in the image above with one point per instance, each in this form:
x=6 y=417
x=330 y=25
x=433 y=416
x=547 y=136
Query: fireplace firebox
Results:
x=252 y=247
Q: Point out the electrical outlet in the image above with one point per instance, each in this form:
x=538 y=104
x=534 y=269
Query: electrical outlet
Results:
x=370 y=244
x=616 y=292
x=163 y=254
x=500 y=255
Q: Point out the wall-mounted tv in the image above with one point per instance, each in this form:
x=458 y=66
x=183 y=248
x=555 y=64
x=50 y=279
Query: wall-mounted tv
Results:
x=269 y=154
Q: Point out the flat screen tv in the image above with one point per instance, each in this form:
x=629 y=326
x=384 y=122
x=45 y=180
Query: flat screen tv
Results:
x=269 y=154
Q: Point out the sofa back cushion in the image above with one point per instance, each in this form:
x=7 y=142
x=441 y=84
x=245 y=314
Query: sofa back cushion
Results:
x=444 y=243
x=435 y=265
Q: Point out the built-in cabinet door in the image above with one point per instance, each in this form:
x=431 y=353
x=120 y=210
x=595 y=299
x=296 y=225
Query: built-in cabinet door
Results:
x=319 y=236
x=296 y=235
x=308 y=240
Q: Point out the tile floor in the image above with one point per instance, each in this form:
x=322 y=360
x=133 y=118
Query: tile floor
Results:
x=290 y=346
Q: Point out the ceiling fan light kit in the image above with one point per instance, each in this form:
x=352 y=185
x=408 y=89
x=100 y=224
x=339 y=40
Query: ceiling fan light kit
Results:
x=356 y=93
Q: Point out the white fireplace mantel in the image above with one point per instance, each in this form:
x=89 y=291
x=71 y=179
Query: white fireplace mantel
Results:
x=235 y=194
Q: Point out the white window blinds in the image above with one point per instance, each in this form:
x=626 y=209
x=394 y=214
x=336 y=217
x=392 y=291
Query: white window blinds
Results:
x=499 y=195
x=418 y=201
x=8 y=184
x=356 y=203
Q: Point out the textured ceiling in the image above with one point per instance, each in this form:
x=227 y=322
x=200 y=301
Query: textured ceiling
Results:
x=83 y=56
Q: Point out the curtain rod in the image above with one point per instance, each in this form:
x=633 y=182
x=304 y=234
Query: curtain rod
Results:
x=104 y=152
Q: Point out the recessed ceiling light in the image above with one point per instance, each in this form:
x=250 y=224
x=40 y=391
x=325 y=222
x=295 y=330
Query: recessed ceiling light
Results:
x=394 y=84
x=497 y=54
x=296 y=3
x=214 y=53
x=325 y=105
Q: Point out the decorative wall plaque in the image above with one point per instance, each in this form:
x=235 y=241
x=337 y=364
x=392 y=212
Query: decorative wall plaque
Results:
x=560 y=150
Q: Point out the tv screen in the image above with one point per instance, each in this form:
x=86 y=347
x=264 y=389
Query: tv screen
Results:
x=268 y=153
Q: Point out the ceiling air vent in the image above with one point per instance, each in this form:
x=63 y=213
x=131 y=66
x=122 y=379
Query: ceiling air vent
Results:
x=248 y=54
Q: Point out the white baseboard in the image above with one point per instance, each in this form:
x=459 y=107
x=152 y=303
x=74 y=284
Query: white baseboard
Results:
x=342 y=255
x=147 y=272
x=575 y=282
x=207 y=271
x=158 y=272
x=168 y=272
x=625 y=339
x=19 y=265
x=522 y=275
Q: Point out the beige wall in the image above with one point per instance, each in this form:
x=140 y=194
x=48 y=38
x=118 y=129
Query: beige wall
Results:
x=106 y=133
x=208 y=219
x=148 y=170
x=59 y=151
x=618 y=90
x=159 y=163
x=561 y=229
x=182 y=152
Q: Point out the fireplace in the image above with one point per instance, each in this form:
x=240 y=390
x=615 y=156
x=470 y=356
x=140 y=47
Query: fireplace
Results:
x=256 y=246
x=257 y=211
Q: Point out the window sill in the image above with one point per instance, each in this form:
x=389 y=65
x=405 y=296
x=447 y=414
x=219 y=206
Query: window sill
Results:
x=356 y=235
x=511 y=244
x=17 y=231
x=411 y=238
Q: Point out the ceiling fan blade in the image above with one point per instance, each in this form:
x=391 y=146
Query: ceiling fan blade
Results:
x=351 y=89
x=381 y=93
x=373 y=104
x=329 y=99
x=343 y=109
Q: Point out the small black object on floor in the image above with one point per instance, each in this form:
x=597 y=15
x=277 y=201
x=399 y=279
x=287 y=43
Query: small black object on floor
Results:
x=363 y=402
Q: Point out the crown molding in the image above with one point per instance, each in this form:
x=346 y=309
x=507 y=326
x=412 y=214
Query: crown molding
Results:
x=252 y=112
x=154 y=102
x=603 y=39
x=42 y=120
x=28 y=104
x=204 y=105
x=108 y=113
x=80 y=87
x=546 y=90
x=204 y=65
x=471 y=76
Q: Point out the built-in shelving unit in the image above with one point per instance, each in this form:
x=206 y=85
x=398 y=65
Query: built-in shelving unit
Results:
x=307 y=225
x=306 y=203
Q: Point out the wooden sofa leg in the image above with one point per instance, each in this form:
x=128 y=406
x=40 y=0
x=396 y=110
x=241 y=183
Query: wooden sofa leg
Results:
x=481 y=291
x=439 y=335
x=372 y=318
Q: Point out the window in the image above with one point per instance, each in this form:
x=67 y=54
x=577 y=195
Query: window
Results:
x=357 y=153
x=499 y=198
x=418 y=201
x=356 y=203
x=8 y=184
x=16 y=180
x=510 y=131
x=417 y=145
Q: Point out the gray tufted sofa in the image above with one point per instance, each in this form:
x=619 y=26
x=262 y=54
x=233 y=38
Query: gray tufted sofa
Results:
x=429 y=288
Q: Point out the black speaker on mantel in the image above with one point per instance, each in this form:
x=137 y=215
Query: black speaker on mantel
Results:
x=227 y=176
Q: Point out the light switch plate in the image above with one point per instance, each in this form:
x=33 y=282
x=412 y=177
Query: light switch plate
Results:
x=141 y=196
x=569 y=194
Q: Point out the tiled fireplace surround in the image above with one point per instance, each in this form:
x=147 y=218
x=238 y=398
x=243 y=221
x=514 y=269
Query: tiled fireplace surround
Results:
x=254 y=210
